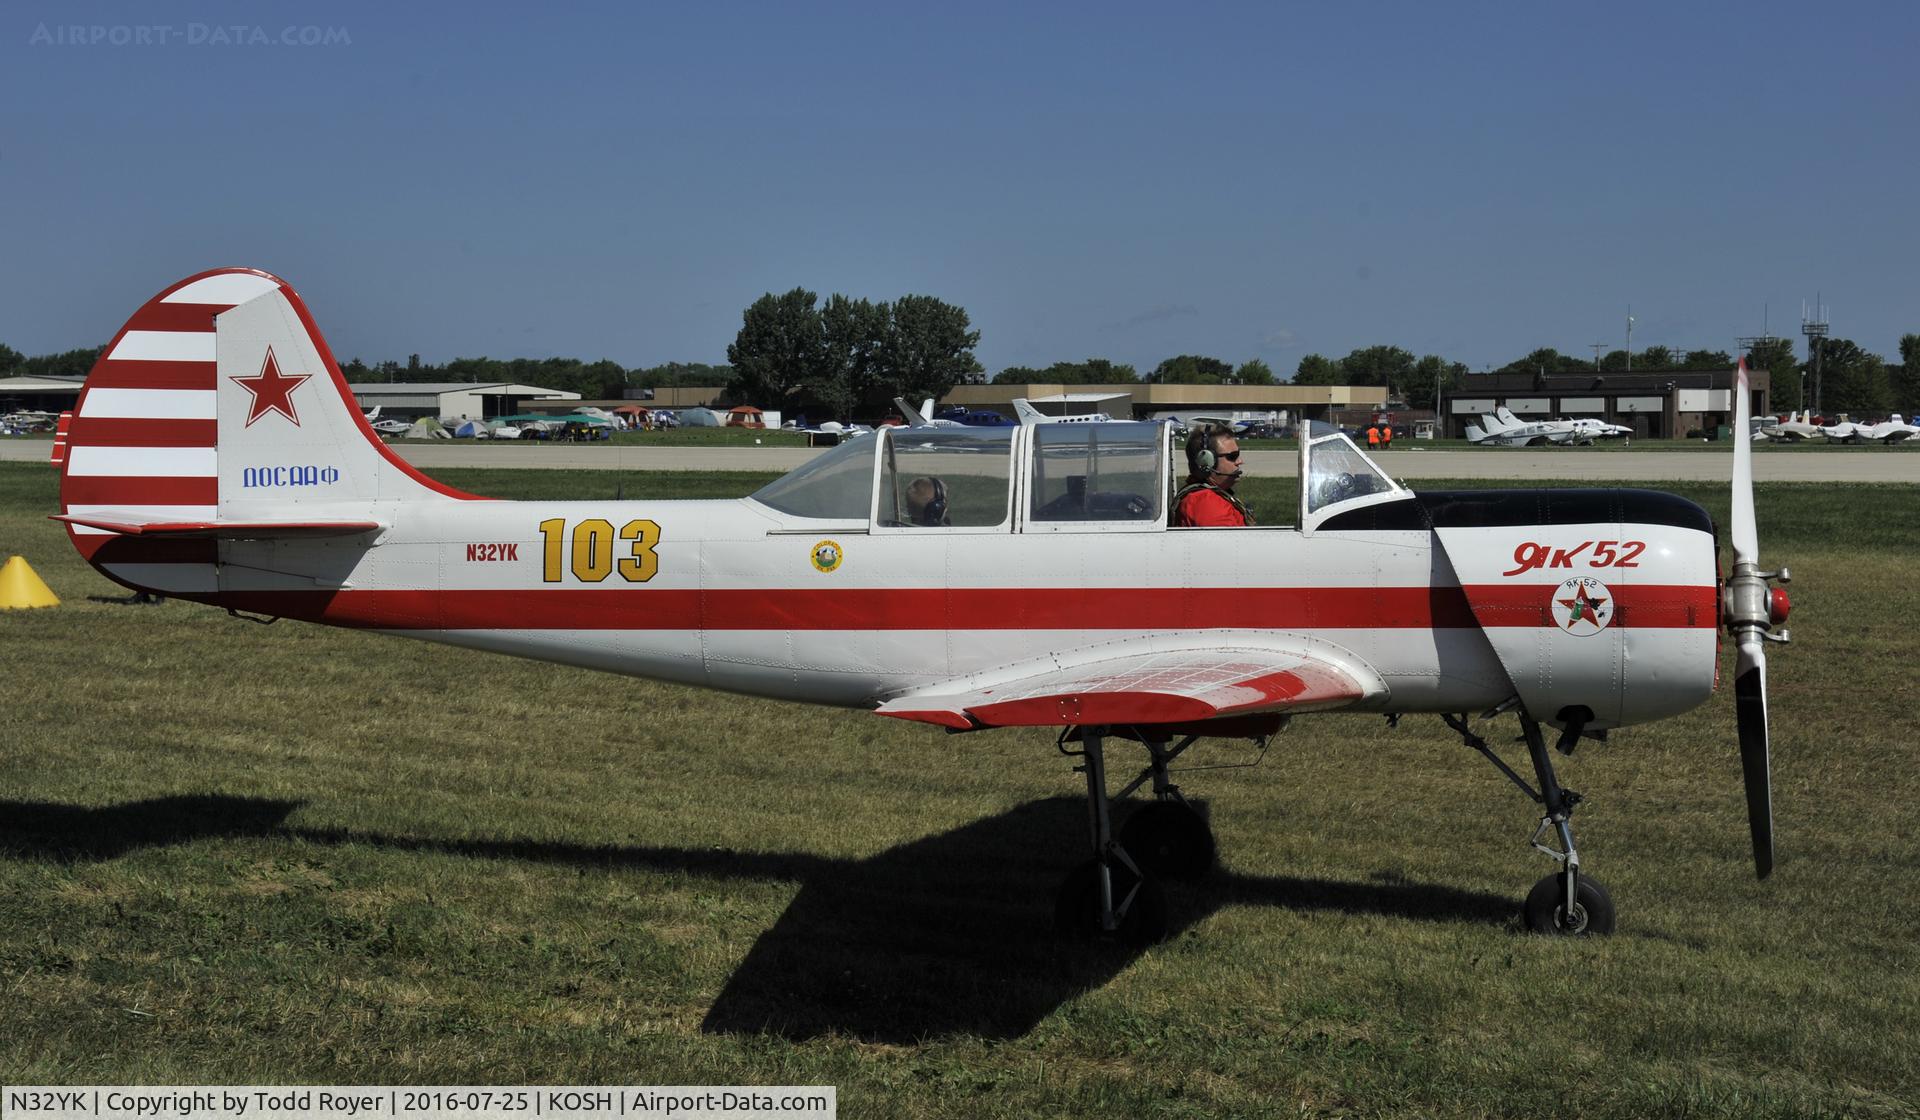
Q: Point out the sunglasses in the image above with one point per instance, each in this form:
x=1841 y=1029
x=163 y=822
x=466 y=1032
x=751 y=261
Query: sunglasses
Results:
x=1229 y=457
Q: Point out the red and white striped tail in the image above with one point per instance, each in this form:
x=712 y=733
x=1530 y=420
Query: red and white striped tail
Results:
x=218 y=400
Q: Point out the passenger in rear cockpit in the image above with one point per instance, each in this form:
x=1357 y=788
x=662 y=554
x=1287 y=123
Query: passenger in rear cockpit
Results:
x=927 y=501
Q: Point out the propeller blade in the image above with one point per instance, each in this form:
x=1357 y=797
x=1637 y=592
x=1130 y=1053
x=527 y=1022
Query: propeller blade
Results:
x=1746 y=539
x=1750 y=710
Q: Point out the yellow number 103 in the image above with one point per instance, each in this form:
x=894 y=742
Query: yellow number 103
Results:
x=592 y=541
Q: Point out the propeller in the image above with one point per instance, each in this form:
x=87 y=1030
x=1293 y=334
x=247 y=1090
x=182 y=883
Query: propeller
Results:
x=1753 y=607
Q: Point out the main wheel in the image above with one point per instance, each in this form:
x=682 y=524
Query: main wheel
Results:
x=1170 y=839
x=1076 y=913
x=1546 y=907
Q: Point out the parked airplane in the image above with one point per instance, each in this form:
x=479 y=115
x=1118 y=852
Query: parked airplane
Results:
x=28 y=420
x=1492 y=431
x=923 y=416
x=1892 y=430
x=1844 y=431
x=967 y=578
x=1504 y=429
x=1031 y=415
x=387 y=427
x=1795 y=428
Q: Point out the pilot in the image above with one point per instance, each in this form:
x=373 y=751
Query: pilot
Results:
x=1213 y=469
x=927 y=501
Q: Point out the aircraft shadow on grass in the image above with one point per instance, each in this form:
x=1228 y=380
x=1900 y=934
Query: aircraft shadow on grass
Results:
x=949 y=934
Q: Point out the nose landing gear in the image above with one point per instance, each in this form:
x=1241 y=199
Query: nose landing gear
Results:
x=1566 y=902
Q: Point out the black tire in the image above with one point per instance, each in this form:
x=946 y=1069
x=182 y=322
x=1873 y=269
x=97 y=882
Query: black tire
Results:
x=1076 y=912
x=1170 y=840
x=1546 y=908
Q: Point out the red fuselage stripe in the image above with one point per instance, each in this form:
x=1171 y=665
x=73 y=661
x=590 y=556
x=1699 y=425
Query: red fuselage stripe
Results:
x=1276 y=608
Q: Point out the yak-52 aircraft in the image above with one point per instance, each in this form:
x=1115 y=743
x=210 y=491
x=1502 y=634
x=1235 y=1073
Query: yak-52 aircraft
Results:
x=216 y=455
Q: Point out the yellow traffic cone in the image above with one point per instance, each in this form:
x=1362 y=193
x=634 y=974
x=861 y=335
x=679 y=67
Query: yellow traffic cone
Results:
x=21 y=588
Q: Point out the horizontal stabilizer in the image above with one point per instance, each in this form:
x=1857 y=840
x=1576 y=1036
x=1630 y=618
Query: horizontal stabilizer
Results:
x=138 y=523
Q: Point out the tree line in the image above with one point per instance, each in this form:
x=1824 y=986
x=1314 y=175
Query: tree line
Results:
x=849 y=358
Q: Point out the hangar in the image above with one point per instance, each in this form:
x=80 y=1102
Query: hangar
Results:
x=39 y=394
x=1665 y=404
x=400 y=400
x=1145 y=400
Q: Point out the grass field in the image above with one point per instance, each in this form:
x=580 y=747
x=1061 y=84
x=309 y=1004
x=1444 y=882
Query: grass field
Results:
x=240 y=853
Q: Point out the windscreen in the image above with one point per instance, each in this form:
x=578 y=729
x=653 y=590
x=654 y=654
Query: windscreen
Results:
x=836 y=485
x=1337 y=471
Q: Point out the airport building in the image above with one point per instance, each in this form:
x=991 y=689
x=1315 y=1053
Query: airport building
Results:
x=1280 y=404
x=38 y=394
x=1663 y=405
x=400 y=400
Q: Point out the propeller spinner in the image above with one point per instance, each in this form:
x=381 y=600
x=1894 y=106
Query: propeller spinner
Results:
x=1752 y=607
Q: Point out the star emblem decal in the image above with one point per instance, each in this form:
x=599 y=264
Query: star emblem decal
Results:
x=1582 y=605
x=272 y=390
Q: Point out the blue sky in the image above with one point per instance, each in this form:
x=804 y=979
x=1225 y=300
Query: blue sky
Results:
x=1127 y=181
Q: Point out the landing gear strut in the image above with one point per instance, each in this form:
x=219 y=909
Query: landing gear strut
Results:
x=1565 y=902
x=1109 y=896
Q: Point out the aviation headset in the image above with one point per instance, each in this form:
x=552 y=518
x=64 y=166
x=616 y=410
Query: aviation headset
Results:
x=935 y=511
x=1200 y=455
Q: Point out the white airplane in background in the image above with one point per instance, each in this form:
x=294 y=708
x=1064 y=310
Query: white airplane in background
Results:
x=387 y=427
x=216 y=455
x=1794 y=428
x=1504 y=429
x=28 y=420
x=1892 y=430
x=1031 y=415
x=1846 y=431
x=1508 y=431
x=1592 y=429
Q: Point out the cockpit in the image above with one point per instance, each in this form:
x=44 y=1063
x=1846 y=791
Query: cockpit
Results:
x=1041 y=478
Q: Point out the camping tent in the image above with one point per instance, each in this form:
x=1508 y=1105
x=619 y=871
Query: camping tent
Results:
x=699 y=418
x=470 y=429
x=427 y=428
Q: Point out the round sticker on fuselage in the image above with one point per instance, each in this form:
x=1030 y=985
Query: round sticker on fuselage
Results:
x=1582 y=605
x=827 y=556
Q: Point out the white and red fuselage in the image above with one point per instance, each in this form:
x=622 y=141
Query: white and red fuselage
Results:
x=216 y=455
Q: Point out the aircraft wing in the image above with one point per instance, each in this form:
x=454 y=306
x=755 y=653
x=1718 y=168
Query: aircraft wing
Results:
x=1151 y=681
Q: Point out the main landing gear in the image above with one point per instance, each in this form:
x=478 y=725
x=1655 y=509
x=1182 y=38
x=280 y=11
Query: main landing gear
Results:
x=1116 y=895
x=1565 y=902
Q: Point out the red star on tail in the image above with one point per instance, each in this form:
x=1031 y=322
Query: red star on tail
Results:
x=272 y=391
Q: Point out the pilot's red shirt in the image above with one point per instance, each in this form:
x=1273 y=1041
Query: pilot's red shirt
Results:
x=1207 y=508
